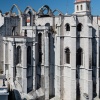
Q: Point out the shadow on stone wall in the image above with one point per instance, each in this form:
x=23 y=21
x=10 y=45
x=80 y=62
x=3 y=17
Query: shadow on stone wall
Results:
x=14 y=95
x=41 y=98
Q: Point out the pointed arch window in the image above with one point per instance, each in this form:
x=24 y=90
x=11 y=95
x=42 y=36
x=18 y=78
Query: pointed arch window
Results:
x=18 y=55
x=29 y=19
x=79 y=56
x=29 y=55
x=79 y=27
x=67 y=27
x=67 y=55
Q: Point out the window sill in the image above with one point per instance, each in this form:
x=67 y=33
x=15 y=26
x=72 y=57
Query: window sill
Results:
x=18 y=65
x=67 y=65
x=80 y=66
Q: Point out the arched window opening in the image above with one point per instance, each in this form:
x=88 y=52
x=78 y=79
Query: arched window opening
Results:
x=79 y=57
x=29 y=55
x=15 y=10
x=28 y=19
x=18 y=55
x=77 y=8
x=39 y=25
x=47 y=24
x=79 y=27
x=40 y=47
x=67 y=27
x=45 y=11
x=81 y=7
x=67 y=55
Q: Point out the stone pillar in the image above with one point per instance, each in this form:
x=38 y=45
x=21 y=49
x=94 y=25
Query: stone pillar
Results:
x=34 y=61
x=72 y=88
x=4 y=47
x=43 y=61
x=24 y=66
x=46 y=69
x=12 y=63
x=21 y=21
x=88 y=83
x=34 y=65
x=62 y=58
x=57 y=65
x=98 y=69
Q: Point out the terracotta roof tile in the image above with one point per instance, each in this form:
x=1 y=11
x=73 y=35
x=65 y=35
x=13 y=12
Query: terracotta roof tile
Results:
x=81 y=0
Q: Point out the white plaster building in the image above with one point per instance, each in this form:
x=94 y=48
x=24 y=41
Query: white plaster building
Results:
x=51 y=57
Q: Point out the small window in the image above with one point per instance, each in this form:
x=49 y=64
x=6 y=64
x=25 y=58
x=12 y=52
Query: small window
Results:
x=40 y=47
x=13 y=30
x=81 y=7
x=67 y=55
x=18 y=55
x=25 y=33
x=47 y=24
x=39 y=25
x=67 y=27
x=77 y=8
x=79 y=27
x=79 y=57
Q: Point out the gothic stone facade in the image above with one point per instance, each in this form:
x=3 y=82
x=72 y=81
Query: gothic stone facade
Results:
x=51 y=57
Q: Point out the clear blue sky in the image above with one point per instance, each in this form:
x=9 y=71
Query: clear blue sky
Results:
x=62 y=5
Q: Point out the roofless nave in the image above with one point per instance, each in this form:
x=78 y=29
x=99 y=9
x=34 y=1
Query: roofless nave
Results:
x=51 y=57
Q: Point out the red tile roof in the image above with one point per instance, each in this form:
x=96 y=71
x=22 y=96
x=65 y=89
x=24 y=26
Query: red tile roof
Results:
x=81 y=0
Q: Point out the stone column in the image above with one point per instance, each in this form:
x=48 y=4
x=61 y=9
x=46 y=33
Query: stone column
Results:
x=24 y=66
x=21 y=25
x=46 y=69
x=12 y=63
x=62 y=57
x=88 y=83
x=34 y=60
x=57 y=65
x=72 y=78
x=98 y=69
x=4 y=43
x=43 y=60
